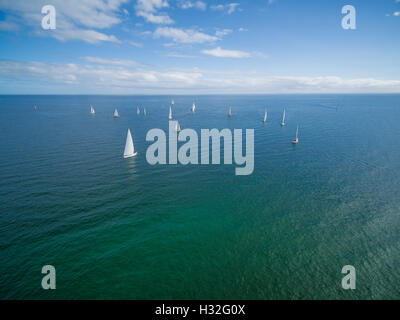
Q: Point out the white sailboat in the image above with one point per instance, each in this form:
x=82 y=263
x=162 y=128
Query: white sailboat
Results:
x=116 y=114
x=138 y=111
x=35 y=107
x=296 y=141
x=172 y=102
x=265 y=116
x=178 y=127
x=283 y=118
x=129 y=148
x=92 y=110
x=230 y=111
x=170 y=113
x=193 y=107
x=144 y=112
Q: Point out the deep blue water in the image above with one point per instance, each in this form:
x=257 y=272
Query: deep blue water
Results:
x=120 y=228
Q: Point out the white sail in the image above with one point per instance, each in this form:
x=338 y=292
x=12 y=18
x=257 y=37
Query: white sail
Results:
x=129 y=148
x=144 y=112
x=296 y=141
x=265 y=116
x=116 y=114
x=172 y=102
x=193 y=107
x=170 y=113
x=138 y=111
x=230 y=111
x=92 y=110
x=283 y=118
x=178 y=127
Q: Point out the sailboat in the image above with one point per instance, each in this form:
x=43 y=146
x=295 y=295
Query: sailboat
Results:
x=178 y=127
x=193 y=107
x=144 y=112
x=35 y=107
x=296 y=141
x=138 y=111
x=230 y=111
x=116 y=114
x=265 y=116
x=129 y=148
x=283 y=118
x=170 y=113
x=172 y=102
x=92 y=110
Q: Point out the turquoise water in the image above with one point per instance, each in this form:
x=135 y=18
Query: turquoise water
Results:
x=116 y=228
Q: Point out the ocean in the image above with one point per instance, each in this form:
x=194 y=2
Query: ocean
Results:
x=119 y=228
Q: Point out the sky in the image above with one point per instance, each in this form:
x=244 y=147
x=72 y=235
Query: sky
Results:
x=199 y=47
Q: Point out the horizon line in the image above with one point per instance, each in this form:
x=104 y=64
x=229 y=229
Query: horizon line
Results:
x=201 y=94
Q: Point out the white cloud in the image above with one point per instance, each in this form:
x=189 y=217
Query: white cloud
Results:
x=229 y=8
x=178 y=55
x=113 y=62
x=75 y=18
x=200 y=5
x=157 y=19
x=188 y=36
x=232 y=7
x=224 y=32
x=221 y=53
x=135 y=44
x=128 y=77
x=396 y=14
x=148 y=9
x=97 y=14
x=90 y=36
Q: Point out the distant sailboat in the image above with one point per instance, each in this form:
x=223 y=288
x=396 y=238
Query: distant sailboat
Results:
x=193 y=107
x=170 y=113
x=116 y=114
x=144 y=112
x=283 y=118
x=178 y=127
x=35 y=107
x=172 y=102
x=92 y=110
x=265 y=116
x=296 y=141
x=129 y=148
x=137 y=110
x=230 y=111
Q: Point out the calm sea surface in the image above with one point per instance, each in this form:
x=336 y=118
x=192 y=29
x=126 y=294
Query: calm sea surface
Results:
x=120 y=228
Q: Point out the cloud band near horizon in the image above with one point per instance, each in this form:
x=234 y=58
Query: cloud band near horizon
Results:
x=110 y=76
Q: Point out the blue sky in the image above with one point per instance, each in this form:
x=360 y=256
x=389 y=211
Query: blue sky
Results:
x=195 y=47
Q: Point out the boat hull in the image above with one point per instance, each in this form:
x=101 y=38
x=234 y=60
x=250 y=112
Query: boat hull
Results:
x=130 y=156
